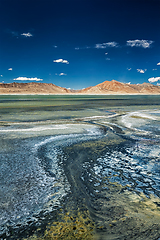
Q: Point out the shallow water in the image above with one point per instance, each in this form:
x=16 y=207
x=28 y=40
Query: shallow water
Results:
x=94 y=154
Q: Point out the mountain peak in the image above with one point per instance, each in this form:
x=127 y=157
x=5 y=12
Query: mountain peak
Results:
x=115 y=87
x=106 y=87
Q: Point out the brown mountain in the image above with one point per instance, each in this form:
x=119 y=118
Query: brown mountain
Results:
x=114 y=87
x=107 y=87
x=31 y=88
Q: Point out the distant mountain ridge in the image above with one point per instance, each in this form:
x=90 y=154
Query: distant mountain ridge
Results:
x=115 y=87
x=107 y=87
x=31 y=88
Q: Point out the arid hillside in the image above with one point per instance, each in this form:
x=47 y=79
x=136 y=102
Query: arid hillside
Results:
x=31 y=88
x=107 y=87
x=115 y=87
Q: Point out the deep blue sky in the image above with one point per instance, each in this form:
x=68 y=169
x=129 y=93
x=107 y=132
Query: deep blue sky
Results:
x=79 y=43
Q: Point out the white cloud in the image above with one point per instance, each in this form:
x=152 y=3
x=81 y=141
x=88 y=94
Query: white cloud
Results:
x=154 y=69
x=58 y=60
x=108 y=59
x=10 y=69
x=1 y=75
x=158 y=84
x=62 y=74
x=61 y=61
x=100 y=45
x=28 y=79
x=105 y=45
x=112 y=44
x=27 y=34
x=154 y=79
x=141 y=70
x=129 y=69
x=65 y=61
x=106 y=53
x=158 y=63
x=139 y=43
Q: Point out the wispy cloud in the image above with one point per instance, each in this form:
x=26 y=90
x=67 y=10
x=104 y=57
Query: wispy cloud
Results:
x=158 y=63
x=81 y=48
x=61 y=74
x=61 y=61
x=27 y=34
x=108 y=59
x=154 y=69
x=105 y=45
x=10 y=69
x=129 y=69
x=14 y=34
x=1 y=75
x=139 y=43
x=28 y=79
x=154 y=79
x=18 y=34
x=141 y=70
x=99 y=46
x=106 y=53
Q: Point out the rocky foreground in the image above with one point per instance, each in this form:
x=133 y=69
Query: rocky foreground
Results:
x=107 y=87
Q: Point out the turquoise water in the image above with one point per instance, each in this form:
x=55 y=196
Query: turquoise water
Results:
x=59 y=150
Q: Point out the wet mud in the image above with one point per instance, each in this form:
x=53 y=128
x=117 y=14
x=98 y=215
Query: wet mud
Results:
x=98 y=208
x=80 y=169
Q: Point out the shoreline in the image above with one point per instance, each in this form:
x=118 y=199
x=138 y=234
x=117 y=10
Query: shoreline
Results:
x=79 y=94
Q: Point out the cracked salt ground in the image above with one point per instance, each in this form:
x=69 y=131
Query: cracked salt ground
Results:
x=128 y=167
x=25 y=188
x=32 y=178
x=119 y=205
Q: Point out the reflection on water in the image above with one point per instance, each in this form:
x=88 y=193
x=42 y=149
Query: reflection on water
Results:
x=90 y=156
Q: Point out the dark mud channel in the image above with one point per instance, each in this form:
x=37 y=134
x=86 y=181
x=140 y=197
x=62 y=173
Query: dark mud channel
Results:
x=118 y=211
x=98 y=206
